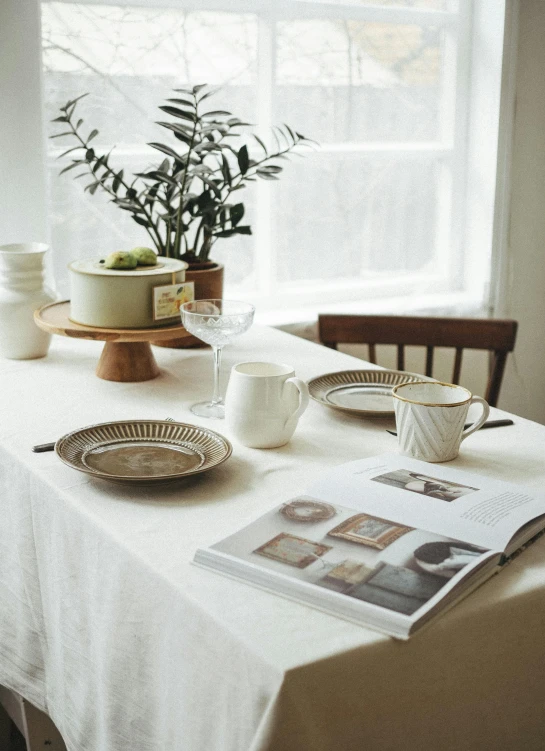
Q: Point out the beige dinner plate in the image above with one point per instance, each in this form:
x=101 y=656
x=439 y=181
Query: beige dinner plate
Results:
x=143 y=452
x=361 y=392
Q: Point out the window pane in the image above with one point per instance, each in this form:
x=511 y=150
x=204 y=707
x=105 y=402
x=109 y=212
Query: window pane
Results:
x=353 y=215
x=359 y=81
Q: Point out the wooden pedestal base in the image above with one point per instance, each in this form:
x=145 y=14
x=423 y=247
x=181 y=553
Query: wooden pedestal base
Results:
x=127 y=361
x=127 y=354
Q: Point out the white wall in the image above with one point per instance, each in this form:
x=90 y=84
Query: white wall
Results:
x=522 y=285
x=22 y=143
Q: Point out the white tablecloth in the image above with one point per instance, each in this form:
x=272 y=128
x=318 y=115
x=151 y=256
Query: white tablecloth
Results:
x=106 y=625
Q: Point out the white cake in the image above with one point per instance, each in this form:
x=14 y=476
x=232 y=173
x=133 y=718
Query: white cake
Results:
x=123 y=299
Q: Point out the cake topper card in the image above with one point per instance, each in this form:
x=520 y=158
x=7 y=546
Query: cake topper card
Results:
x=168 y=299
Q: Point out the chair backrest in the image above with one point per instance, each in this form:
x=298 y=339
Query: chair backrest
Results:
x=494 y=335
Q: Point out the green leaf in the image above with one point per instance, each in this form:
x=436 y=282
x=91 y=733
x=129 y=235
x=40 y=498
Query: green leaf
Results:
x=162 y=177
x=141 y=220
x=243 y=159
x=128 y=205
x=208 y=94
x=202 y=169
x=150 y=194
x=164 y=149
x=177 y=112
x=265 y=175
x=225 y=233
x=59 y=135
x=182 y=138
x=236 y=213
x=90 y=155
x=198 y=87
x=71 y=166
x=98 y=164
x=290 y=131
x=92 y=187
x=92 y=134
x=225 y=170
x=220 y=127
x=205 y=200
x=207 y=147
x=245 y=230
x=62 y=119
x=212 y=185
x=184 y=90
x=176 y=127
x=214 y=113
x=185 y=102
x=117 y=181
x=73 y=101
x=80 y=122
x=260 y=142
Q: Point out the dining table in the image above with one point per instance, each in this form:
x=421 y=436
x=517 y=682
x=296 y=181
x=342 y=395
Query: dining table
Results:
x=108 y=627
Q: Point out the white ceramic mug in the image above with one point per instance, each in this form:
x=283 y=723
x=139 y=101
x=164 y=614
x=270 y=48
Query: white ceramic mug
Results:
x=263 y=403
x=430 y=419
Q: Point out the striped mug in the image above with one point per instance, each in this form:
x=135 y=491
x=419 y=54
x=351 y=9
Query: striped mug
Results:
x=430 y=419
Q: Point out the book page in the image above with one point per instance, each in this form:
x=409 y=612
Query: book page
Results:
x=358 y=566
x=433 y=497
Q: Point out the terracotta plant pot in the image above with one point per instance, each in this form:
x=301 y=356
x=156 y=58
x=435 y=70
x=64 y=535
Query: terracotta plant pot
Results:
x=208 y=279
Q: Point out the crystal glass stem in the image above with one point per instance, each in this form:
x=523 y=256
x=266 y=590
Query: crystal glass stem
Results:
x=216 y=399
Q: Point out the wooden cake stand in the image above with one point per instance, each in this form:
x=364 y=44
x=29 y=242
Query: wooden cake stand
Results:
x=127 y=354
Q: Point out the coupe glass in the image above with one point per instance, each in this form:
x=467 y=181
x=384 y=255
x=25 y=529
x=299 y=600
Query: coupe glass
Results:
x=216 y=322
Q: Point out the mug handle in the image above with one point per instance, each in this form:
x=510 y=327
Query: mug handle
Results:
x=476 y=425
x=302 y=388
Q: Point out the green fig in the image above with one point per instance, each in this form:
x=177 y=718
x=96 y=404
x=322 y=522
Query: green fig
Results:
x=144 y=256
x=123 y=259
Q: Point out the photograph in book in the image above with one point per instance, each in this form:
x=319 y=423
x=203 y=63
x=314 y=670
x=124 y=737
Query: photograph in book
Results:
x=369 y=530
x=429 y=486
x=363 y=557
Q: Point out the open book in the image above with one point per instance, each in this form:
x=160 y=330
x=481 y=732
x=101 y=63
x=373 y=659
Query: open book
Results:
x=388 y=542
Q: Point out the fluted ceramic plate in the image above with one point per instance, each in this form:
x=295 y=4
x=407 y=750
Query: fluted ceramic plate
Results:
x=361 y=392
x=143 y=452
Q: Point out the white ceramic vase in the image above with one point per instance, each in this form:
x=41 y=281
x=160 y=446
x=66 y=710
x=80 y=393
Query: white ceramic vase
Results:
x=22 y=291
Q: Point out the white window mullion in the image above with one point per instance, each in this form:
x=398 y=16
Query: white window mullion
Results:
x=455 y=126
x=265 y=265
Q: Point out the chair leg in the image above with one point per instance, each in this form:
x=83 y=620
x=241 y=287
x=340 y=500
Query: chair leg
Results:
x=36 y=727
x=5 y=730
x=40 y=732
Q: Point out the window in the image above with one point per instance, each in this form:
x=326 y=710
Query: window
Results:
x=377 y=212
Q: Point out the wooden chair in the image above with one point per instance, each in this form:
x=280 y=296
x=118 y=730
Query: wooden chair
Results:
x=37 y=728
x=496 y=336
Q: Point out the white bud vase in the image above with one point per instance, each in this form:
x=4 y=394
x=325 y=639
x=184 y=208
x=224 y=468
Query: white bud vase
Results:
x=22 y=291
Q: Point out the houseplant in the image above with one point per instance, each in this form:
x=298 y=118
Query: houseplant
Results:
x=186 y=202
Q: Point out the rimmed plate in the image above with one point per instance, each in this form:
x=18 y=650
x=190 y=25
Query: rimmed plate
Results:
x=361 y=392
x=143 y=452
